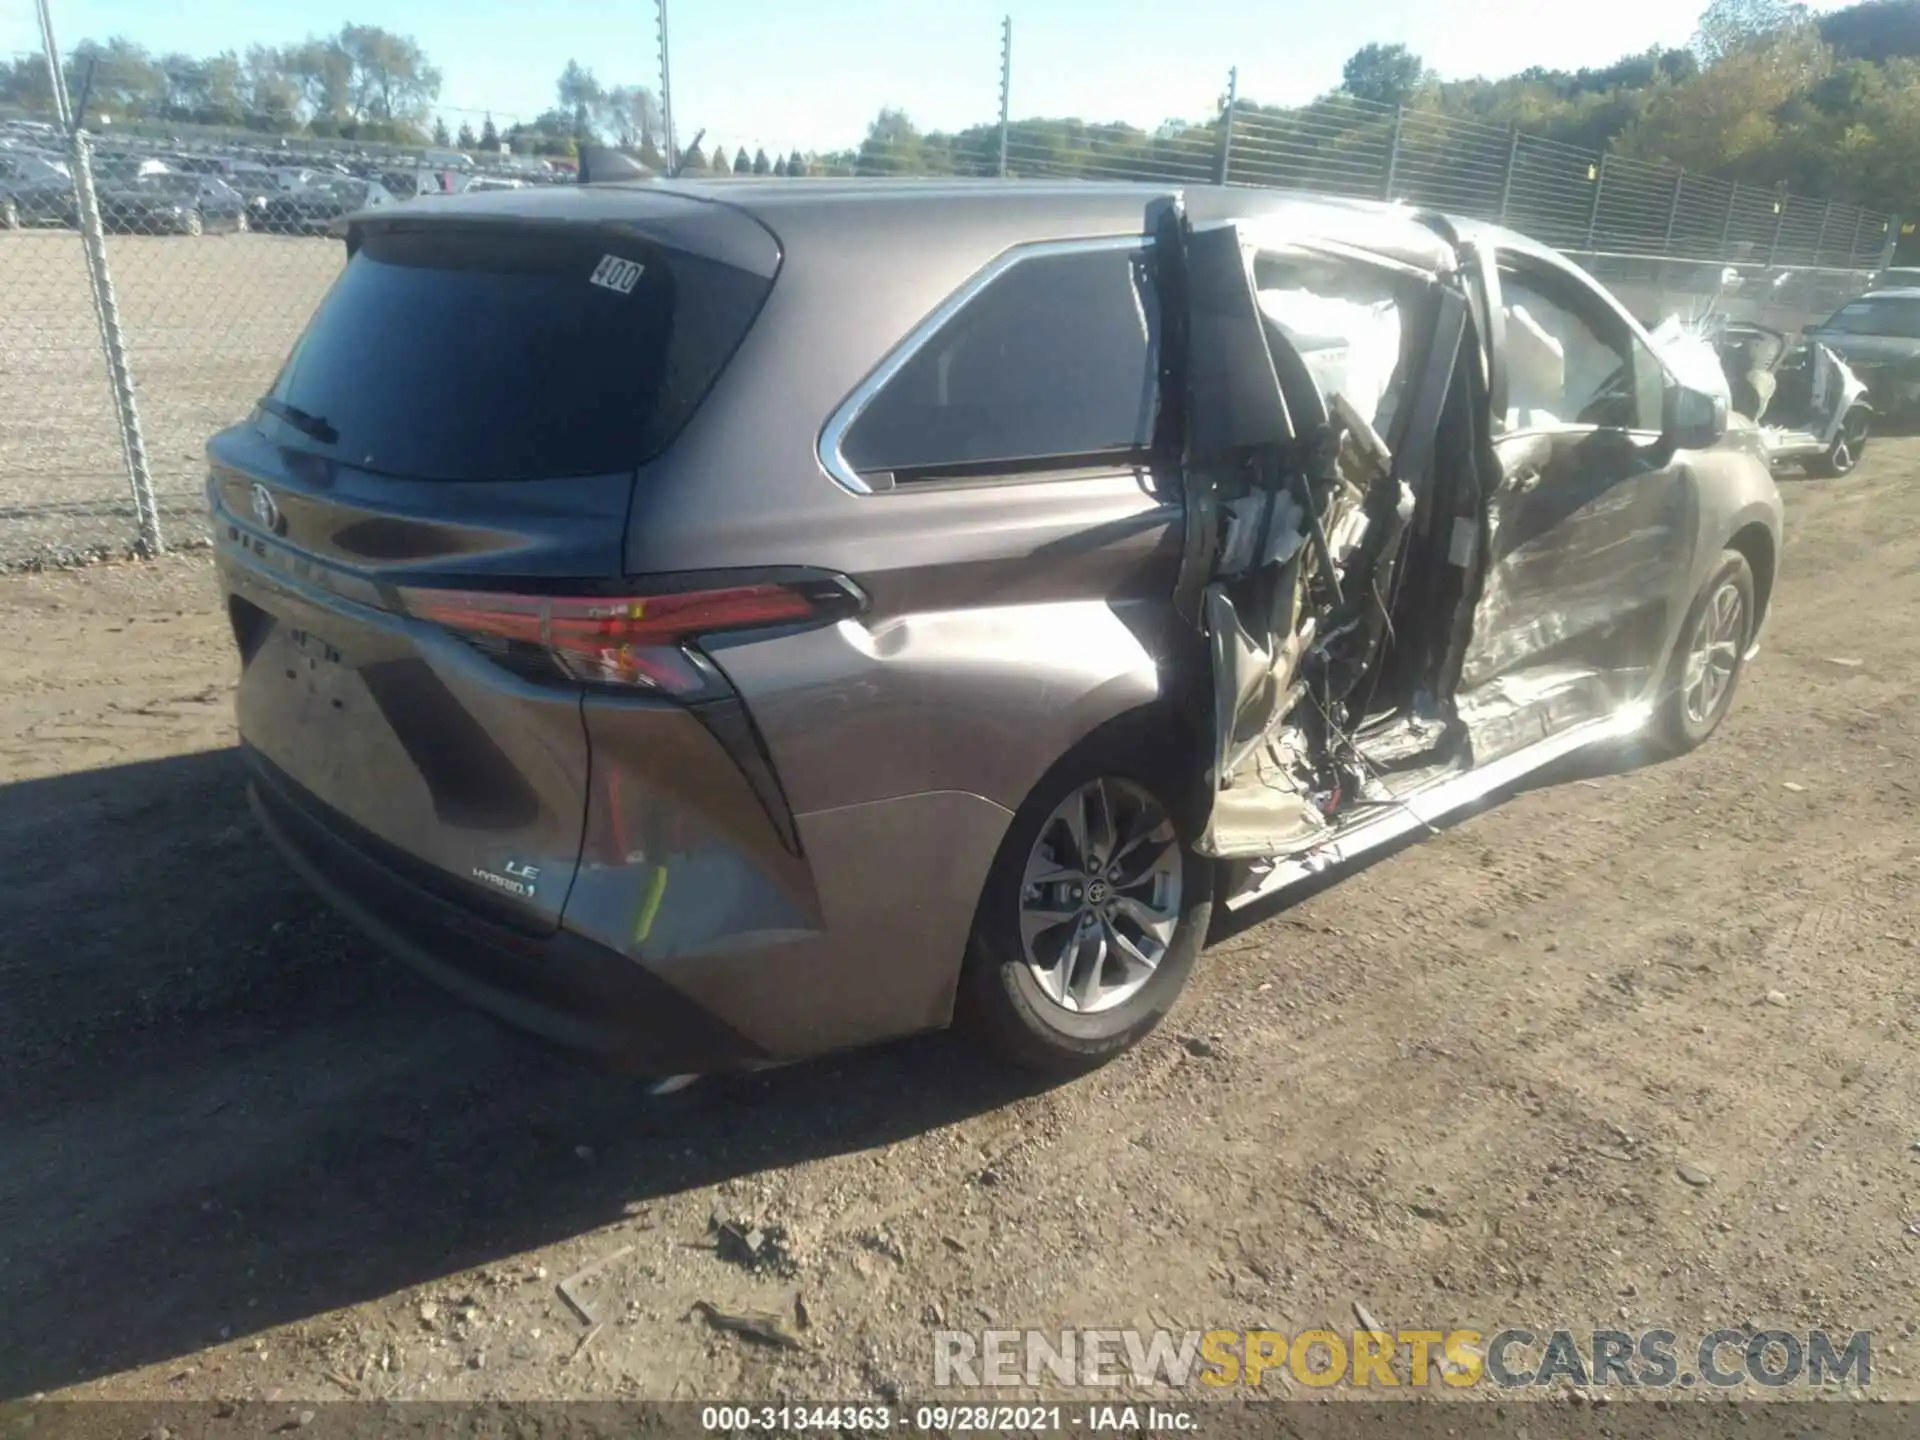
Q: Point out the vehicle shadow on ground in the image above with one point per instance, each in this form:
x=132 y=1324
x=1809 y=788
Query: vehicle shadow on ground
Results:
x=220 y=1110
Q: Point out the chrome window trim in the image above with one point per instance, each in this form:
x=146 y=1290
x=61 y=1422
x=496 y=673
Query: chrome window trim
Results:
x=828 y=451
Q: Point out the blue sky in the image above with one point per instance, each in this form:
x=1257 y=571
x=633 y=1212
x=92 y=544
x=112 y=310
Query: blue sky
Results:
x=811 y=73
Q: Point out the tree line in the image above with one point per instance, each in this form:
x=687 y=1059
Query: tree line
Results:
x=1766 y=93
x=362 y=82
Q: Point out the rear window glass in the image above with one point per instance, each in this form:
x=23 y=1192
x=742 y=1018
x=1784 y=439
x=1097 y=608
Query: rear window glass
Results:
x=456 y=354
x=1052 y=363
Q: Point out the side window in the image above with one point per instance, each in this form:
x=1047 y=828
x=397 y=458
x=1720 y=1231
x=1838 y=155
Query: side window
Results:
x=1051 y=366
x=1571 y=360
x=1350 y=324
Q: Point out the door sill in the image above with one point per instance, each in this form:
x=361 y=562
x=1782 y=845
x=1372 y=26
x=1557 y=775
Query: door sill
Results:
x=1789 y=442
x=1425 y=808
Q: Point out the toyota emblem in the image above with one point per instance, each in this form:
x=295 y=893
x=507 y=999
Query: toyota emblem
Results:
x=264 y=508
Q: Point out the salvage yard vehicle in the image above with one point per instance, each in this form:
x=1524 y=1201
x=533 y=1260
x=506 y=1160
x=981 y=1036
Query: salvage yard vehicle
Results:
x=1878 y=335
x=713 y=624
x=35 y=189
x=312 y=207
x=1811 y=408
x=246 y=176
x=149 y=199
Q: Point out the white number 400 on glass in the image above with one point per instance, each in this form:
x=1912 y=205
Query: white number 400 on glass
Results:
x=617 y=274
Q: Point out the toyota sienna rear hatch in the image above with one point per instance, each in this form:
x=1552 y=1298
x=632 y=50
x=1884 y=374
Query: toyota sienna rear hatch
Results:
x=414 y=523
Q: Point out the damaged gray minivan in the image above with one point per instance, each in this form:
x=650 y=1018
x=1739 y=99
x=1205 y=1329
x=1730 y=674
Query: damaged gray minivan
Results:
x=710 y=625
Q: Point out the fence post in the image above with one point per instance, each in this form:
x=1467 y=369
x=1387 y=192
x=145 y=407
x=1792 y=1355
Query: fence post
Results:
x=1506 y=180
x=1593 y=211
x=133 y=445
x=1226 y=125
x=1893 y=242
x=1726 y=225
x=1006 y=85
x=1820 y=245
x=1673 y=213
x=1779 y=224
x=1392 y=177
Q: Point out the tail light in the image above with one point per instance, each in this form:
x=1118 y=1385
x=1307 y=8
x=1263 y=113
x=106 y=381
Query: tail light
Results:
x=630 y=641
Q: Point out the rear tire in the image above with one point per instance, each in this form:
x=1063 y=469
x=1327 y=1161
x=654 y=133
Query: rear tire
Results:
x=195 y=223
x=9 y=214
x=1149 y=898
x=1708 y=658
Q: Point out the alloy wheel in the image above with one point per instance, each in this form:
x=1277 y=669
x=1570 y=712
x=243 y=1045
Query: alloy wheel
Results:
x=1100 y=899
x=1848 y=444
x=1714 y=654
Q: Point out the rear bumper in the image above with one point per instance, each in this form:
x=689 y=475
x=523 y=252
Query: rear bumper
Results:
x=560 y=987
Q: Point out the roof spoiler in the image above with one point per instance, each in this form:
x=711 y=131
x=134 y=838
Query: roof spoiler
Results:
x=600 y=166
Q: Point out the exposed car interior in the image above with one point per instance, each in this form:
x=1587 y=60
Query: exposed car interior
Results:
x=1315 y=610
x=1798 y=392
x=1399 y=596
x=1748 y=356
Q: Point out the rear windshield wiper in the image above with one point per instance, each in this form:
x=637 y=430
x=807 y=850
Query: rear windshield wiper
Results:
x=313 y=426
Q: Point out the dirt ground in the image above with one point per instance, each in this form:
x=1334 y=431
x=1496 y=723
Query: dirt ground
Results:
x=242 y=1155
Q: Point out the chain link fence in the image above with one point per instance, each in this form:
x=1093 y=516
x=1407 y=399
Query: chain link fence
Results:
x=151 y=286
x=1580 y=201
x=65 y=493
x=137 y=326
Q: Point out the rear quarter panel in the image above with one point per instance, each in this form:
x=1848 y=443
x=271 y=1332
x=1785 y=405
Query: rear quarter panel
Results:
x=1004 y=622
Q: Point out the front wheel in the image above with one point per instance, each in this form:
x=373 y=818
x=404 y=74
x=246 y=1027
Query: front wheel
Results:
x=1092 y=915
x=1707 y=661
x=9 y=214
x=1849 y=444
x=195 y=223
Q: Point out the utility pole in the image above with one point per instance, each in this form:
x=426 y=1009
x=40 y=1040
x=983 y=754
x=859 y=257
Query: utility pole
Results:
x=61 y=110
x=1006 y=86
x=666 y=92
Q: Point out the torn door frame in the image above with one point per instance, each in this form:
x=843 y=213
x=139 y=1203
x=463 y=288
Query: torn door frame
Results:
x=1297 y=510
